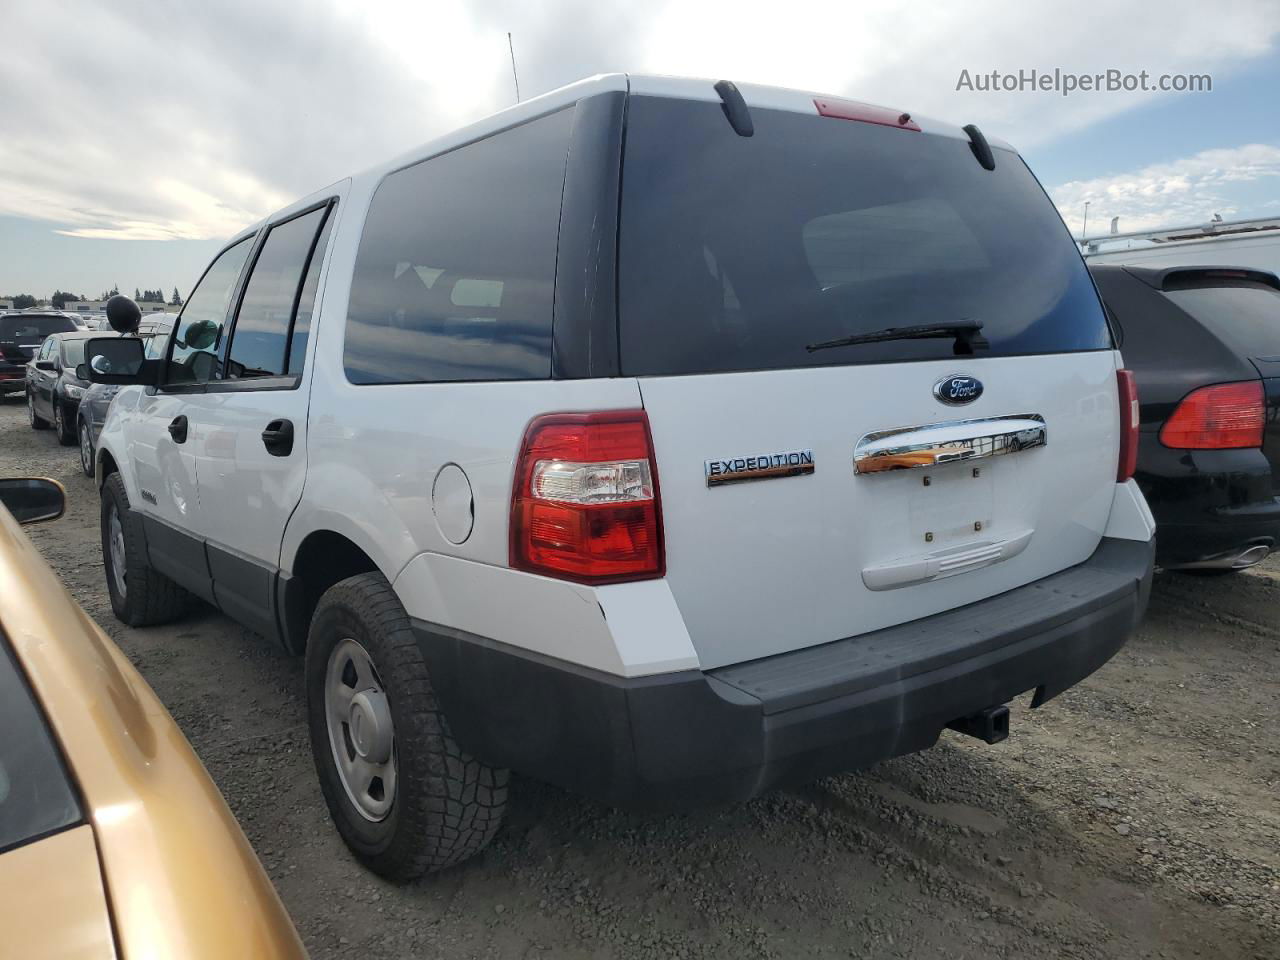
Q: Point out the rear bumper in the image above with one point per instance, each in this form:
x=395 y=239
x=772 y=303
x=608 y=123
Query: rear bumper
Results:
x=679 y=739
x=13 y=379
x=1208 y=503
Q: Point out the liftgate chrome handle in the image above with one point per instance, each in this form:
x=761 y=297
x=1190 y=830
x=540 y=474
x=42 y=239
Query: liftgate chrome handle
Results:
x=931 y=444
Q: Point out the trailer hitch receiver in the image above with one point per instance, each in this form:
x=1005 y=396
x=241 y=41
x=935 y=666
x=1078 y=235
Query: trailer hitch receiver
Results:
x=990 y=725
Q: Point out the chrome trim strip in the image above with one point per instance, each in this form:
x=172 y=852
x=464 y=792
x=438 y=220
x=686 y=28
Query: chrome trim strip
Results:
x=931 y=444
x=764 y=466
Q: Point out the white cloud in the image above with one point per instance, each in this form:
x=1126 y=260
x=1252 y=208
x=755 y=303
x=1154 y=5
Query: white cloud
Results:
x=1184 y=191
x=154 y=118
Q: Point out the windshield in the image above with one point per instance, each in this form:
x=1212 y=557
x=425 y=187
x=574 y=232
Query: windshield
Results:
x=26 y=330
x=35 y=795
x=72 y=352
x=736 y=252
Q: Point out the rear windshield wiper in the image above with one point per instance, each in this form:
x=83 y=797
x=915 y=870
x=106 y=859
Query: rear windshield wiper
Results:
x=965 y=333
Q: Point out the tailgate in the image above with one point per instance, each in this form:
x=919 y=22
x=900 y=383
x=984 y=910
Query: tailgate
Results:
x=764 y=566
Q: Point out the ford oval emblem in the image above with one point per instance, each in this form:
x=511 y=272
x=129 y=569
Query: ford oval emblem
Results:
x=955 y=390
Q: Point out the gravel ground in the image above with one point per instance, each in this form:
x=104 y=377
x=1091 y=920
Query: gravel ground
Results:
x=1134 y=816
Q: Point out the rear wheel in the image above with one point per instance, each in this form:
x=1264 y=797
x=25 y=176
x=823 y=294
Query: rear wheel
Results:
x=37 y=422
x=405 y=798
x=140 y=596
x=66 y=432
x=86 y=448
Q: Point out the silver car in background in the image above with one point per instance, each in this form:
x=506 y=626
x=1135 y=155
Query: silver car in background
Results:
x=155 y=330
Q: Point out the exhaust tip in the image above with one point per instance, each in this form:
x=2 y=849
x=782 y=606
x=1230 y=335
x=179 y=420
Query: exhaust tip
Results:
x=1255 y=554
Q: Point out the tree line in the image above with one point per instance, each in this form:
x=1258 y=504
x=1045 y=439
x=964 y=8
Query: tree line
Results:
x=60 y=298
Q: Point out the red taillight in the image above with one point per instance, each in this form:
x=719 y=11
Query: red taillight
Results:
x=1128 y=390
x=585 y=503
x=1217 y=418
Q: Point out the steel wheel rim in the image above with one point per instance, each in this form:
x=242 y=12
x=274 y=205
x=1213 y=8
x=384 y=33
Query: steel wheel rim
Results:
x=31 y=409
x=361 y=734
x=57 y=418
x=86 y=449
x=115 y=545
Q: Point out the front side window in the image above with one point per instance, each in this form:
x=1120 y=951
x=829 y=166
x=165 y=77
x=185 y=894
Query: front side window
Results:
x=455 y=274
x=199 y=333
x=260 y=338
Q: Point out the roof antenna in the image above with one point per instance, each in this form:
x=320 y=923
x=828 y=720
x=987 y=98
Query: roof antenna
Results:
x=735 y=108
x=514 y=76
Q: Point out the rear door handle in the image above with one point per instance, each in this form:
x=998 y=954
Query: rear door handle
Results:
x=278 y=438
x=178 y=429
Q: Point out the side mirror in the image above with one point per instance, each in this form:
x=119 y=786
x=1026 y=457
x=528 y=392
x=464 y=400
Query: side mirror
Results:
x=82 y=371
x=119 y=360
x=33 y=500
x=123 y=314
x=45 y=365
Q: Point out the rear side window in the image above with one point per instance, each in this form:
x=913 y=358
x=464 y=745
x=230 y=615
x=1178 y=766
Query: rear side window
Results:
x=199 y=333
x=455 y=273
x=737 y=252
x=297 y=354
x=260 y=337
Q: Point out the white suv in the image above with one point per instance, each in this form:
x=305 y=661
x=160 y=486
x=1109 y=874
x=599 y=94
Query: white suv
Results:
x=762 y=442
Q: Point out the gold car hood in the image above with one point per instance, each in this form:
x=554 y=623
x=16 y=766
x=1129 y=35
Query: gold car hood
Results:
x=181 y=878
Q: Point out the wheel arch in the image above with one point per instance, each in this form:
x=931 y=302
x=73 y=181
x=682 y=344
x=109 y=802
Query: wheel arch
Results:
x=322 y=558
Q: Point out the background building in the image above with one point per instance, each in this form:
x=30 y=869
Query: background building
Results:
x=100 y=306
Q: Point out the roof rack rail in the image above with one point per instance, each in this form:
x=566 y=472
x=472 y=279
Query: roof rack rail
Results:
x=1201 y=231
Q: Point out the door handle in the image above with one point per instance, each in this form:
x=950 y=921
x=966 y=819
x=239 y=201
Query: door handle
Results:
x=178 y=429
x=278 y=438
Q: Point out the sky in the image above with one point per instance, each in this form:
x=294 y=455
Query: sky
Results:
x=136 y=135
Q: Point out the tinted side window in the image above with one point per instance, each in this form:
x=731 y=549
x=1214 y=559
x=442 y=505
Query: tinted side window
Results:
x=297 y=354
x=199 y=332
x=455 y=274
x=261 y=332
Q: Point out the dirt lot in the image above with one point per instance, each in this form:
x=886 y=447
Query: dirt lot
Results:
x=1135 y=816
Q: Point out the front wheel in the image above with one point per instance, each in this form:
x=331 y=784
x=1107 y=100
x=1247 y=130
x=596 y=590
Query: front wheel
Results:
x=140 y=595
x=86 y=448
x=66 y=433
x=37 y=422
x=404 y=796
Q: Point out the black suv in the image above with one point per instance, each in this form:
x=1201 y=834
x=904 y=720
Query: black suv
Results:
x=54 y=390
x=1204 y=345
x=20 y=336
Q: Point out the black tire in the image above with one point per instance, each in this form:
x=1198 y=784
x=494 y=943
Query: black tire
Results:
x=66 y=432
x=149 y=596
x=37 y=422
x=447 y=805
x=87 y=454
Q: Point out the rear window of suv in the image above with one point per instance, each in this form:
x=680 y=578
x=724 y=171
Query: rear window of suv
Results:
x=737 y=252
x=33 y=329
